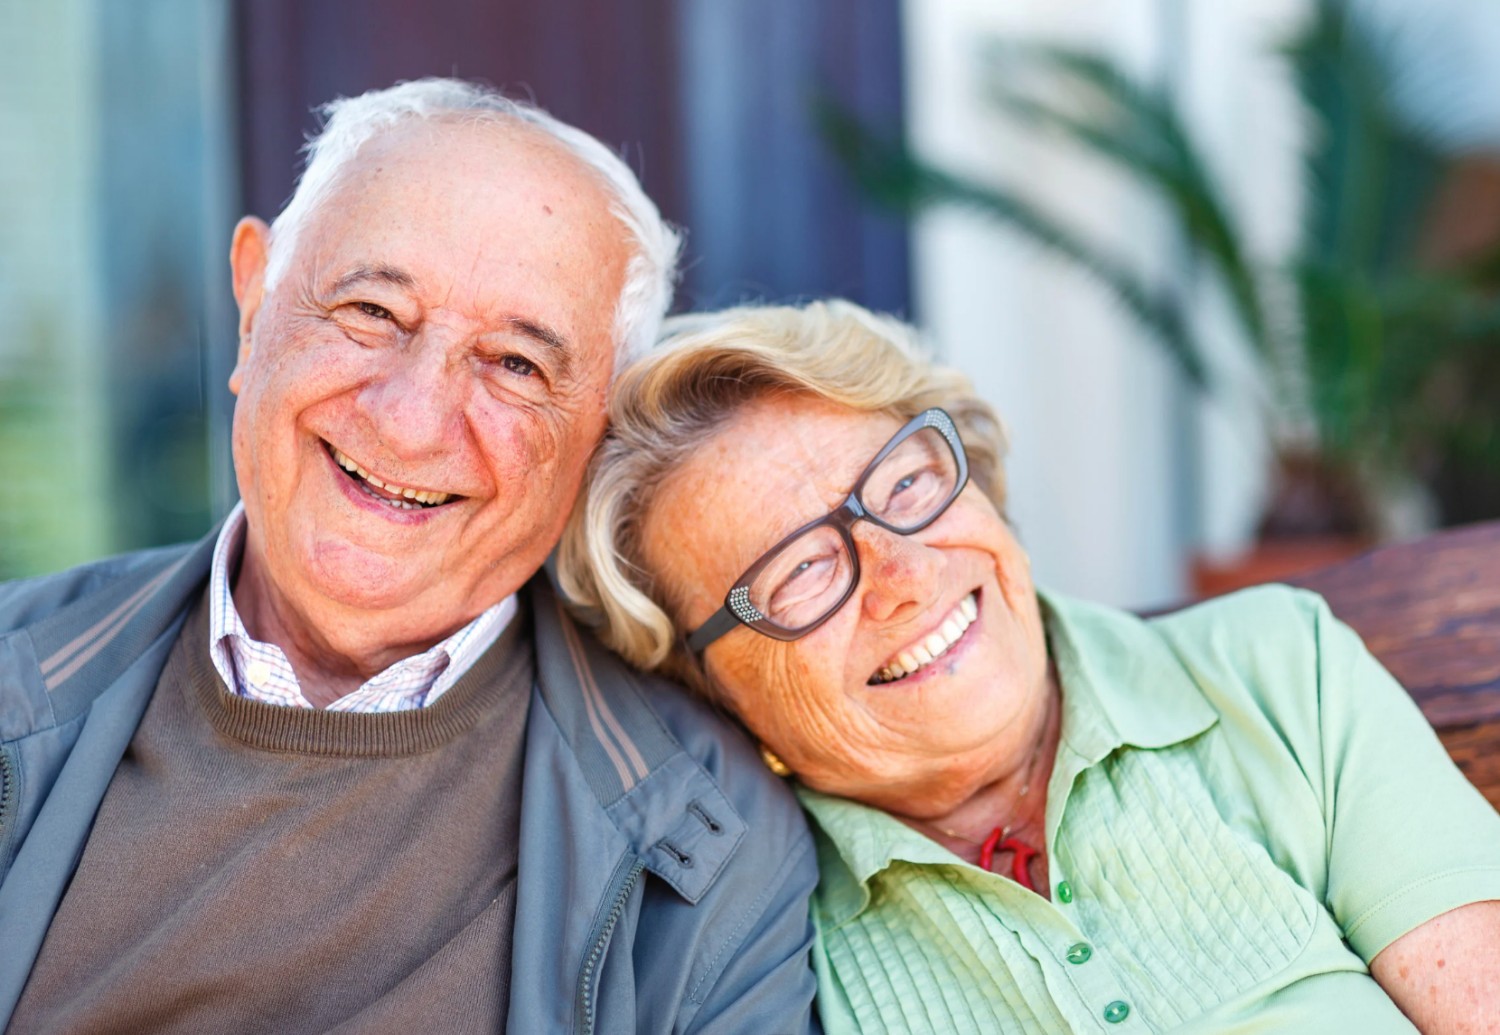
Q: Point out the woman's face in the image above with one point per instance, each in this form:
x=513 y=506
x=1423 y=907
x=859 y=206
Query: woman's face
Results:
x=918 y=744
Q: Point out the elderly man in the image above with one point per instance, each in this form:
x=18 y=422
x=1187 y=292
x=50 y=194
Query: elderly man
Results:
x=345 y=765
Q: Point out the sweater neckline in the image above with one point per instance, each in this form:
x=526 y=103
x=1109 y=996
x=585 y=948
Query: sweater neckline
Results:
x=502 y=674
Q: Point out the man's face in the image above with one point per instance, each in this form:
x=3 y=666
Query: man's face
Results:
x=445 y=330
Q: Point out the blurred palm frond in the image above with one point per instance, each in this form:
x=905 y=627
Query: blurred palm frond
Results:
x=1396 y=364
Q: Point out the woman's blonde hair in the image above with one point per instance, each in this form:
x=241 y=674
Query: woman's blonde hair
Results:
x=669 y=402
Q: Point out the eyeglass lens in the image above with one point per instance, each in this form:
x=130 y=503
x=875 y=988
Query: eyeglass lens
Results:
x=809 y=576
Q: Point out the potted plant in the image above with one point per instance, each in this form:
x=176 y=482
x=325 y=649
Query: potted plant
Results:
x=1382 y=372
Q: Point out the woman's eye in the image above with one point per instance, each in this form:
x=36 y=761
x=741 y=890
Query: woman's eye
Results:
x=799 y=570
x=378 y=312
x=910 y=487
x=519 y=365
x=808 y=578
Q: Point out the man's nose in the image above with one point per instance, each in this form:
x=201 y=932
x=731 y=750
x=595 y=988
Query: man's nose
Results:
x=900 y=575
x=415 y=405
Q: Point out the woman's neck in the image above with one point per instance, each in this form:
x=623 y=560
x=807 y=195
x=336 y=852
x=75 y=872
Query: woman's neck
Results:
x=1014 y=803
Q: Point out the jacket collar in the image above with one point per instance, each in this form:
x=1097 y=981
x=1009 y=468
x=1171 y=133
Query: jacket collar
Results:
x=671 y=811
x=86 y=645
x=676 y=818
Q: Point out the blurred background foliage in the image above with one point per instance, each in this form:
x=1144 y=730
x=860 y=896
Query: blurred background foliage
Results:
x=1146 y=141
x=134 y=134
x=1379 y=367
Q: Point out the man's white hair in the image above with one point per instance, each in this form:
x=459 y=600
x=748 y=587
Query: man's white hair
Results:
x=350 y=122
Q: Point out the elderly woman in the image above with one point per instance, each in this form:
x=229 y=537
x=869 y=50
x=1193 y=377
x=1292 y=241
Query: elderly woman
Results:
x=1034 y=814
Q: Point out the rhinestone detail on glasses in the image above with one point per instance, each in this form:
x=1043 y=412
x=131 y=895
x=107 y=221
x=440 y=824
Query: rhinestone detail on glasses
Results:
x=739 y=603
x=938 y=419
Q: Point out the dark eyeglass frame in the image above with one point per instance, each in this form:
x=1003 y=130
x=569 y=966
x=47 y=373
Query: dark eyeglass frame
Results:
x=738 y=610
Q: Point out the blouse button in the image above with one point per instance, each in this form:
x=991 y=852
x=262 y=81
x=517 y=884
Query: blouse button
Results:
x=1117 y=1011
x=1065 y=893
x=1080 y=952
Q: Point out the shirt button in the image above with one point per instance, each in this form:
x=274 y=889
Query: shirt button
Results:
x=1065 y=893
x=1117 y=1011
x=1079 y=952
x=257 y=672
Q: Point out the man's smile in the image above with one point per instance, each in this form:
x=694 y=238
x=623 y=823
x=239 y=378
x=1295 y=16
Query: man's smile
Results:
x=393 y=495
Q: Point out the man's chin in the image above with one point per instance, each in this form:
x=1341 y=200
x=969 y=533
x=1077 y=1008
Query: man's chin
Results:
x=365 y=580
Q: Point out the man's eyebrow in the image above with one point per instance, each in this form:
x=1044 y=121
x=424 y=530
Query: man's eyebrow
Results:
x=543 y=334
x=381 y=274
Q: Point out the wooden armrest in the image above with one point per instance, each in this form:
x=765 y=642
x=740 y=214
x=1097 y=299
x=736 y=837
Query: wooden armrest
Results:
x=1430 y=611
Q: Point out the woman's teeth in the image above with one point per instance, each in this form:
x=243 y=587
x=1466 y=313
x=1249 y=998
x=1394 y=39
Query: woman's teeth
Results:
x=419 y=497
x=934 y=646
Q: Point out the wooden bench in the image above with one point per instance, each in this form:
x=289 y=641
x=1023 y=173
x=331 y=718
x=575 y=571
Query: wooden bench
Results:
x=1430 y=611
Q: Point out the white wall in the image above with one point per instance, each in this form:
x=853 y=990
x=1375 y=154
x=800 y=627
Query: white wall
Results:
x=1117 y=473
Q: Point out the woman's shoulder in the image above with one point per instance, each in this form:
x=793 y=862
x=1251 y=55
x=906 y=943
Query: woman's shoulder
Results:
x=1256 y=657
x=1270 y=609
x=1273 y=626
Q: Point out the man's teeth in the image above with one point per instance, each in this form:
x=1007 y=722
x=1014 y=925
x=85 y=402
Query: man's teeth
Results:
x=431 y=499
x=934 y=646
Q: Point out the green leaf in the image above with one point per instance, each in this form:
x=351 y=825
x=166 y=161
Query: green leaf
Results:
x=891 y=175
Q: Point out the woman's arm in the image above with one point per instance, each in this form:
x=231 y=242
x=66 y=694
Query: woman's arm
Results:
x=1445 y=974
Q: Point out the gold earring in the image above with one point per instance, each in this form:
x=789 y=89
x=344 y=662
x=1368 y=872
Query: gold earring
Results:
x=773 y=763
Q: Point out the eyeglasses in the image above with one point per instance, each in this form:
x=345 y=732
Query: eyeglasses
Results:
x=803 y=580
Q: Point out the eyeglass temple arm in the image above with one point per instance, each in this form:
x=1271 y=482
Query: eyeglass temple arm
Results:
x=722 y=621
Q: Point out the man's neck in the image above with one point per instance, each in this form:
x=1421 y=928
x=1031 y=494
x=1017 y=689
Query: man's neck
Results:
x=332 y=654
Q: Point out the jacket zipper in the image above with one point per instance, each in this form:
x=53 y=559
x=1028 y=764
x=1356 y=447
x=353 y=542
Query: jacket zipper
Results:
x=590 y=975
x=8 y=795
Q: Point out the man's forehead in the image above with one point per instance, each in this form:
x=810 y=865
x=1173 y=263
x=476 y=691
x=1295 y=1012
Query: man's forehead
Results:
x=445 y=148
x=476 y=174
x=446 y=205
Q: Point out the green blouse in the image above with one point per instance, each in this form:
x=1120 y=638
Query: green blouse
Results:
x=1244 y=810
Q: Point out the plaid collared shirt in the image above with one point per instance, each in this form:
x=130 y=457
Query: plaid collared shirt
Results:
x=261 y=671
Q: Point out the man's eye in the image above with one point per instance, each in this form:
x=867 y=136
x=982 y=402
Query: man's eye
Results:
x=519 y=365
x=378 y=312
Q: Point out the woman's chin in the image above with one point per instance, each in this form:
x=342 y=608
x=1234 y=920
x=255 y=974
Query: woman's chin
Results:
x=953 y=708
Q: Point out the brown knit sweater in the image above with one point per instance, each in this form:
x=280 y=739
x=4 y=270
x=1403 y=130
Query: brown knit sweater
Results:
x=263 y=869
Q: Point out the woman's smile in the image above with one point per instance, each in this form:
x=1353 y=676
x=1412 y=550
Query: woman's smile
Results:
x=937 y=654
x=949 y=640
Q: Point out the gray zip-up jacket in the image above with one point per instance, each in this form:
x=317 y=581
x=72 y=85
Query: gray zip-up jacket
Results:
x=663 y=876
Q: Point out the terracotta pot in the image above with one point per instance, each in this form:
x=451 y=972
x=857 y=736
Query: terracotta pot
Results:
x=1273 y=560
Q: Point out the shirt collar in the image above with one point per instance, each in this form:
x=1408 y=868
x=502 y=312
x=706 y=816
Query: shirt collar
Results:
x=855 y=843
x=261 y=671
x=1121 y=683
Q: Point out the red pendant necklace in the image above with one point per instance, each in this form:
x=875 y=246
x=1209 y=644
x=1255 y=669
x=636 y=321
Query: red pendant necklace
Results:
x=1020 y=864
x=1000 y=840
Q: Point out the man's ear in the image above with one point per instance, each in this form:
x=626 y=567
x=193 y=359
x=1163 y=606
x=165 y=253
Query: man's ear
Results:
x=247 y=263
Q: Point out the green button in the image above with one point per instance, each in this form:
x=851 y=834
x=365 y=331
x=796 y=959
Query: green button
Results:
x=1116 y=1011
x=1079 y=952
x=1065 y=893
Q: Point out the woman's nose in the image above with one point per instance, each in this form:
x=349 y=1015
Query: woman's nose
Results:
x=899 y=575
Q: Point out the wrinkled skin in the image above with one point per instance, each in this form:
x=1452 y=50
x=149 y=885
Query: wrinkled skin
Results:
x=923 y=746
x=949 y=748
x=446 y=321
